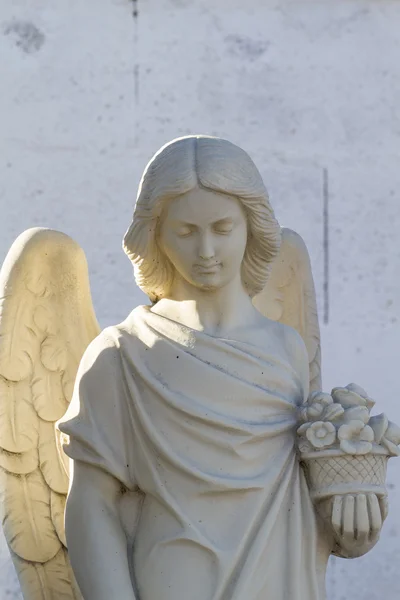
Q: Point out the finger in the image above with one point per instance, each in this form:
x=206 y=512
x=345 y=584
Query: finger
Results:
x=348 y=522
x=337 y=515
x=384 y=506
x=375 y=517
x=362 y=525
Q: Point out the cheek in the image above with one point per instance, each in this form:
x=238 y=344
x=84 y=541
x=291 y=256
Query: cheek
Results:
x=177 y=250
x=168 y=244
x=235 y=246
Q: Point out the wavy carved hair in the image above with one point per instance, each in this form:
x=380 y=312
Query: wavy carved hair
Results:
x=212 y=164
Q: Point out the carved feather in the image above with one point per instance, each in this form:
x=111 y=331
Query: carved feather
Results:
x=19 y=463
x=289 y=297
x=46 y=384
x=26 y=518
x=53 y=353
x=57 y=505
x=42 y=318
x=46 y=322
x=17 y=338
x=51 y=463
x=53 y=580
x=19 y=423
x=67 y=383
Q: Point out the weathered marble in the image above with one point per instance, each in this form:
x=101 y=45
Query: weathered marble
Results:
x=202 y=446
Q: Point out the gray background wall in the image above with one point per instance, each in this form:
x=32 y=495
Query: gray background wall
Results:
x=311 y=89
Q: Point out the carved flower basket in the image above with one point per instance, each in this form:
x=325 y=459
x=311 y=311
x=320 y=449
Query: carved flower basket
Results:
x=343 y=450
x=333 y=472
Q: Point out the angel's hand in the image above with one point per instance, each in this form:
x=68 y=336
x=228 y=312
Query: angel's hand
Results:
x=357 y=522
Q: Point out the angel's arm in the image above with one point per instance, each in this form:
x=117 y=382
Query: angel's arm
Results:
x=99 y=431
x=96 y=539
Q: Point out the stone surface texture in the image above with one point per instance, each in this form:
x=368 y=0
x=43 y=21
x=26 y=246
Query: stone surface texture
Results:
x=310 y=89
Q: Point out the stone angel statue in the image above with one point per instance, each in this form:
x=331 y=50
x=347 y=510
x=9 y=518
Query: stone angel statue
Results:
x=194 y=428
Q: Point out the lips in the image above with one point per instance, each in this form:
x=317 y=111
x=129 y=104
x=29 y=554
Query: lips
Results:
x=207 y=269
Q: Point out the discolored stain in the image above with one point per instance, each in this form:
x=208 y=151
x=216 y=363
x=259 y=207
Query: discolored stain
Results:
x=25 y=35
x=246 y=47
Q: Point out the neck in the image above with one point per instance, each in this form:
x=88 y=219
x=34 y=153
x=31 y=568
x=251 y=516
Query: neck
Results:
x=213 y=311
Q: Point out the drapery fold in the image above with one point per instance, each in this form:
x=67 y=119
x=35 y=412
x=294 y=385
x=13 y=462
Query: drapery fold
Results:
x=205 y=427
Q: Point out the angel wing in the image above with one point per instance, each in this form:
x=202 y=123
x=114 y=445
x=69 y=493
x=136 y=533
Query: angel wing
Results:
x=46 y=322
x=289 y=297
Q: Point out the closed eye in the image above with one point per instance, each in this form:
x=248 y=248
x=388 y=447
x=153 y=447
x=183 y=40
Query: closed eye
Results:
x=223 y=227
x=185 y=231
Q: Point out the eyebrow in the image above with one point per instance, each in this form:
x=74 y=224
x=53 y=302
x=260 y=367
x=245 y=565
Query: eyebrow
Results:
x=218 y=222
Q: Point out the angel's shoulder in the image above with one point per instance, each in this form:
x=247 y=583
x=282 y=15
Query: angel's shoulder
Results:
x=106 y=349
x=287 y=339
x=103 y=352
x=295 y=345
x=272 y=328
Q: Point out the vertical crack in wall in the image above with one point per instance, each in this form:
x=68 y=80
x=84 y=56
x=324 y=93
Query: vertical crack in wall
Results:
x=136 y=64
x=325 y=194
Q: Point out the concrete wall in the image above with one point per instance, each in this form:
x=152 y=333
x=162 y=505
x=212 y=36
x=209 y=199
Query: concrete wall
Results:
x=311 y=89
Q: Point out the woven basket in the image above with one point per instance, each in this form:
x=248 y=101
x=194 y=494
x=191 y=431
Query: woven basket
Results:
x=333 y=472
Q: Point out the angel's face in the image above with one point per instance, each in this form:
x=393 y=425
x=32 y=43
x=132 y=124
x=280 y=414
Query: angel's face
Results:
x=204 y=235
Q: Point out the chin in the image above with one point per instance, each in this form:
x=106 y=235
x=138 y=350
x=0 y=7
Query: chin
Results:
x=209 y=288
x=208 y=284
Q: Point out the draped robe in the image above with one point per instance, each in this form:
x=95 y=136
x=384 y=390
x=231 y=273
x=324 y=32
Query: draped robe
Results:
x=205 y=428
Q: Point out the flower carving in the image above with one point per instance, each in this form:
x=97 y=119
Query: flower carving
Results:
x=343 y=420
x=356 y=413
x=392 y=448
x=317 y=403
x=379 y=424
x=391 y=439
x=352 y=395
x=321 y=434
x=320 y=407
x=356 y=437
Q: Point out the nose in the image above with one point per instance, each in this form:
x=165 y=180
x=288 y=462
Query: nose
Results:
x=206 y=247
